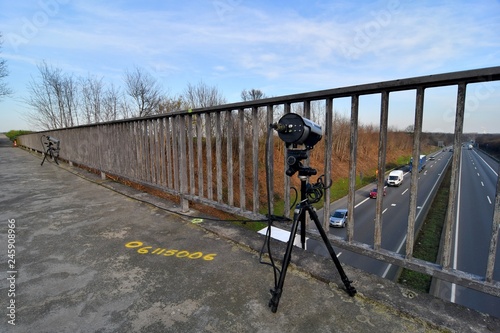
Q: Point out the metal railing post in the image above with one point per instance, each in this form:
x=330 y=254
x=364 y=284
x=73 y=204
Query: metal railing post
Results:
x=417 y=131
x=455 y=174
x=382 y=151
x=353 y=146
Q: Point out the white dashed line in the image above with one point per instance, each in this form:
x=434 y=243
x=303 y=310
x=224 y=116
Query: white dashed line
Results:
x=362 y=202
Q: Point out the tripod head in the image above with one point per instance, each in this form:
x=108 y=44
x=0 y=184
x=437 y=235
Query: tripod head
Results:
x=293 y=160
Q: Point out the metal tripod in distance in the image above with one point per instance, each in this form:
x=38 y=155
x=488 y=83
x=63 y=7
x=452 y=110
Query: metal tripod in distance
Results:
x=52 y=153
x=299 y=217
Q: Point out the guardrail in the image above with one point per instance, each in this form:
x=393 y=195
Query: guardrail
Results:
x=187 y=154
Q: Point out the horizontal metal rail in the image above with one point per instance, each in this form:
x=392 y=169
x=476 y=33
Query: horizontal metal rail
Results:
x=214 y=156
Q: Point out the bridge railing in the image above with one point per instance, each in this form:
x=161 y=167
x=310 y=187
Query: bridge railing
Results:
x=215 y=155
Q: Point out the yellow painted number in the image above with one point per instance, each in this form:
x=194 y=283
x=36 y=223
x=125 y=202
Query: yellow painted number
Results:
x=144 y=250
x=210 y=256
x=133 y=244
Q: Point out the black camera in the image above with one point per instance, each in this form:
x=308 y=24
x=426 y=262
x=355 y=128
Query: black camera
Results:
x=296 y=130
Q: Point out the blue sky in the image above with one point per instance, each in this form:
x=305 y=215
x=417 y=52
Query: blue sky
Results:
x=279 y=47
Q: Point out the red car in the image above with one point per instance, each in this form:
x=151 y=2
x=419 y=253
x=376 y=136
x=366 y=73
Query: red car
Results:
x=373 y=193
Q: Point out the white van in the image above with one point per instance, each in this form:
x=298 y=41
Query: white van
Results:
x=395 y=178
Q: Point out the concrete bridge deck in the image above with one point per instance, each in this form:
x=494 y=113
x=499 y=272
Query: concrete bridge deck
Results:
x=78 y=268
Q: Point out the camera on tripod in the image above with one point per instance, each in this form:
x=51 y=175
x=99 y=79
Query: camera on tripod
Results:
x=300 y=135
x=53 y=148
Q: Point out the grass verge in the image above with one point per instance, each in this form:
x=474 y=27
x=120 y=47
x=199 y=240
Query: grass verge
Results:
x=427 y=243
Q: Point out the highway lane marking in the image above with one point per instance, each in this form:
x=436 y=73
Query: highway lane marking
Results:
x=482 y=184
x=486 y=163
x=361 y=202
x=404 y=191
x=488 y=199
x=385 y=210
x=397 y=251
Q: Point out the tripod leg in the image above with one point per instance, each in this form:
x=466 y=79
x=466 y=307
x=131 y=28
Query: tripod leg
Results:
x=44 y=157
x=278 y=290
x=347 y=283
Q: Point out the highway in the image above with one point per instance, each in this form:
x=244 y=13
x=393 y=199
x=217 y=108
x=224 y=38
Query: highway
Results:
x=394 y=217
x=472 y=230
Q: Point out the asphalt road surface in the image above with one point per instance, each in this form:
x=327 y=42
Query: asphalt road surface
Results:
x=472 y=230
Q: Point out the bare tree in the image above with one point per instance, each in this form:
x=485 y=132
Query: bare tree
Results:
x=111 y=104
x=410 y=129
x=203 y=96
x=125 y=107
x=341 y=130
x=4 y=89
x=70 y=101
x=172 y=104
x=54 y=99
x=92 y=95
x=100 y=102
x=144 y=91
x=252 y=95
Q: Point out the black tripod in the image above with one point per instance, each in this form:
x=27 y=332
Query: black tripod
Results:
x=305 y=205
x=52 y=152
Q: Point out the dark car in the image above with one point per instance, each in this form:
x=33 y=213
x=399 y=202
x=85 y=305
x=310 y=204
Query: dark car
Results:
x=373 y=193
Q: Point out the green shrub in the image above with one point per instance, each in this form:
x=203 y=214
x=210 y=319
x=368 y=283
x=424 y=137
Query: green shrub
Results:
x=13 y=134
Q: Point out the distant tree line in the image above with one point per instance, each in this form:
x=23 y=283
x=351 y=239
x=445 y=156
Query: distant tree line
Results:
x=59 y=99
